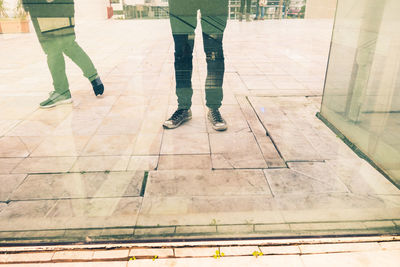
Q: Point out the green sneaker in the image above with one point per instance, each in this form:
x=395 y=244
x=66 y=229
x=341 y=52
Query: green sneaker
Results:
x=56 y=99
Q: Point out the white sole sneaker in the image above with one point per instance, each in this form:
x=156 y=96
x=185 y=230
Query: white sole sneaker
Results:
x=62 y=102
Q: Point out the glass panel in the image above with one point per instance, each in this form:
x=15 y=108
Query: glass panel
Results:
x=101 y=158
x=362 y=93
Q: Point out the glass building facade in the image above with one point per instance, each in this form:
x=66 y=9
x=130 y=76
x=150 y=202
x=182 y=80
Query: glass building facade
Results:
x=195 y=125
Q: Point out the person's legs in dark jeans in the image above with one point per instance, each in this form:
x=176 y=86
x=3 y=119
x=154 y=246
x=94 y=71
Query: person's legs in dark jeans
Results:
x=215 y=69
x=248 y=8
x=184 y=44
x=183 y=19
x=242 y=3
x=213 y=22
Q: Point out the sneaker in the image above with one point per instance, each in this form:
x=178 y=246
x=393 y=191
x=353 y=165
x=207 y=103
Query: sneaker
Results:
x=218 y=123
x=98 y=86
x=56 y=99
x=179 y=117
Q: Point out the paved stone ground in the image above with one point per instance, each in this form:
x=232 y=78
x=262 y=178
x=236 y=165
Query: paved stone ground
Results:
x=304 y=254
x=103 y=168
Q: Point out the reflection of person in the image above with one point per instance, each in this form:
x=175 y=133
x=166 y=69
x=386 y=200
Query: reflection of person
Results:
x=53 y=21
x=248 y=8
x=183 y=18
x=261 y=4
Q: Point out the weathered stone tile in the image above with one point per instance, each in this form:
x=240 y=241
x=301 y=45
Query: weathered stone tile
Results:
x=12 y=147
x=100 y=212
x=109 y=145
x=113 y=232
x=156 y=231
x=206 y=183
x=271 y=155
x=239 y=149
x=25 y=215
x=146 y=163
x=161 y=252
x=274 y=228
x=292 y=144
x=220 y=162
x=239 y=250
x=30 y=257
x=379 y=224
x=391 y=245
x=333 y=227
x=196 y=252
x=8 y=164
x=78 y=124
x=61 y=146
x=235 y=229
x=184 y=162
x=73 y=255
x=257 y=82
x=210 y=210
x=45 y=165
x=202 y=229
x=147 y=144
x=361 y=178
x=280 y=250
x=6 y=125
x=32 y=128
x=100 y=163
x=116 y=125
x=76 y=185
x=180 y=144
x=304 y=178
x=9 y=183
x=343 y=247
x=322 y=207
x=32 y=142
x=111 y=254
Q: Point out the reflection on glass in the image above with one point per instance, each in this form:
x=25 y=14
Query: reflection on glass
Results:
x=54 y=24
x=183 y=18
x=362 y=90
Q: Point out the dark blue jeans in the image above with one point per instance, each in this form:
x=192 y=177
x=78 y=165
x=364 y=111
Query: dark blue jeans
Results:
x=183 y=18
x=248 y=6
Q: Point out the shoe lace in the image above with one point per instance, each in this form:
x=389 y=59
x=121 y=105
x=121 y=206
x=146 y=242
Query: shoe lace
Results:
x=177 y=114
x=216 y=115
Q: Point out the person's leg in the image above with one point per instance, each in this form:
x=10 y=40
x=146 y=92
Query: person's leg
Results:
x=213 y=19
x=248 y=6
x=56 y=64
x=183 y=19
x=242 y=3
x=215 y=69
x=80 y=58
x=257 y=9
x=262 y=12
x=184 y=44
x=72 y=49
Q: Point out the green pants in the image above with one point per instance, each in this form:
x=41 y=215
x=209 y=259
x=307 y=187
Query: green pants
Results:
x=55 y=48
